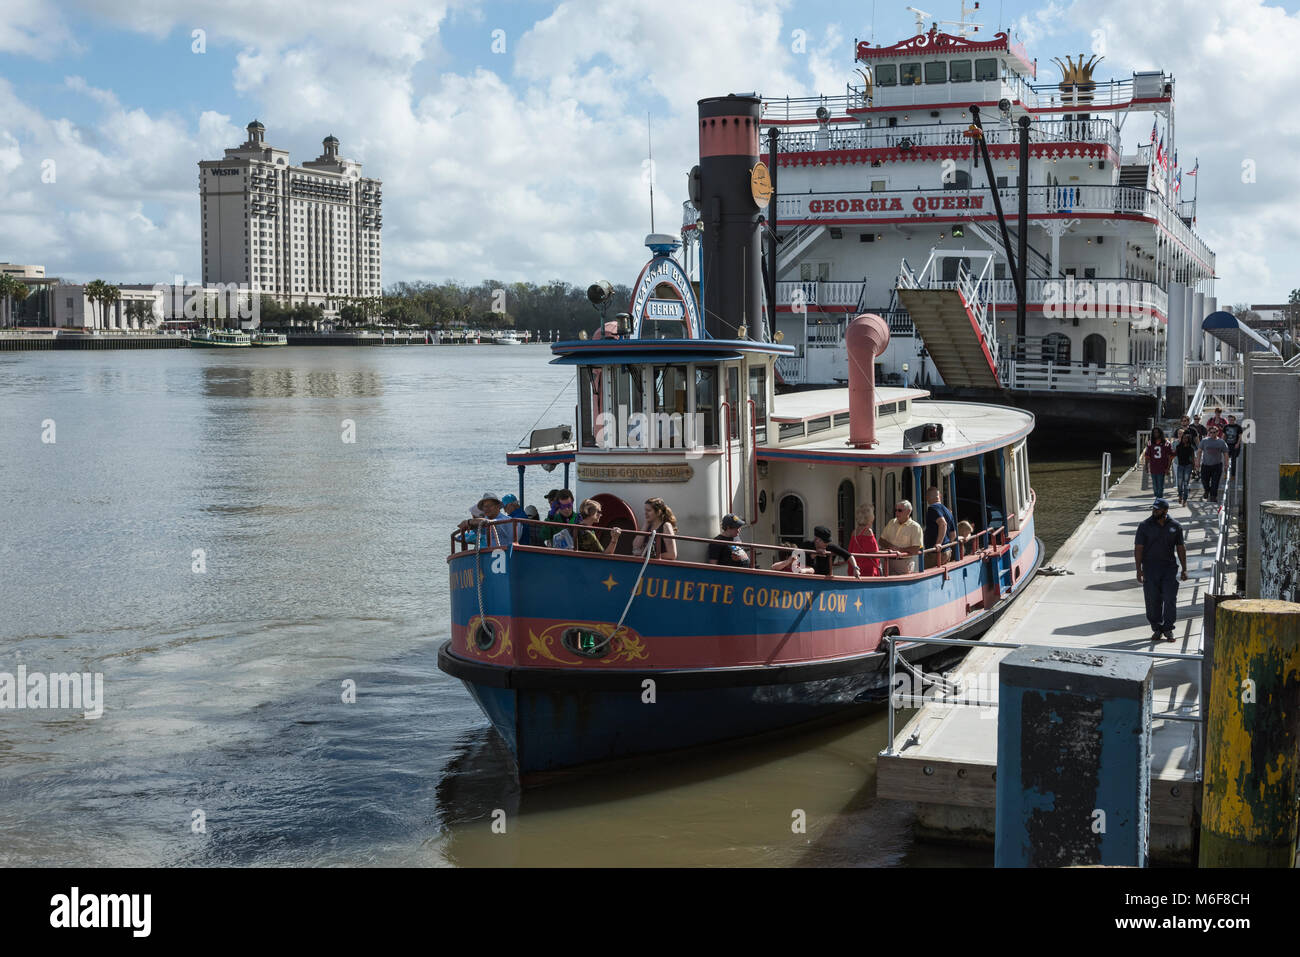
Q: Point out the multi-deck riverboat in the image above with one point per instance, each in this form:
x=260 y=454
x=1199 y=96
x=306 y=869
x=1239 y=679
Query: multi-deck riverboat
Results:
x=578 y=657
x=884 y=205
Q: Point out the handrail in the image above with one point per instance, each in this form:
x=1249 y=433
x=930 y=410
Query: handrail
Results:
x=457 y=538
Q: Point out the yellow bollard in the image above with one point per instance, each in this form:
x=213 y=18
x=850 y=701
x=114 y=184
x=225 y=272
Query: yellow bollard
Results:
x=1252 y=759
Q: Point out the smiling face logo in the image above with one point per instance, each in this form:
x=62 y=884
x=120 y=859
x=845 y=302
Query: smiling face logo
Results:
x=760 y=185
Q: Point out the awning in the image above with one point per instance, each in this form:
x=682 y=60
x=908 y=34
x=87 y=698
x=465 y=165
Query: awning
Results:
x=1228 y=329
x=627 y=356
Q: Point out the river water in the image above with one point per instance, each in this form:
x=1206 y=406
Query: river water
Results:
x=235 y=539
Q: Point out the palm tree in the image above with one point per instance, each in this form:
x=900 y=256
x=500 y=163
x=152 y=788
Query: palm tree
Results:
x=12 y=289
x=102 y=294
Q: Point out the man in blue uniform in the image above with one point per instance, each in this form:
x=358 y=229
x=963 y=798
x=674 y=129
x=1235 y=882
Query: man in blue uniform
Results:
x=1158 y=539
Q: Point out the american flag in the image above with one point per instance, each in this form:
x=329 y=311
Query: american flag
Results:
x=1196 y=167
x=1153 y=131
x=1178 y=182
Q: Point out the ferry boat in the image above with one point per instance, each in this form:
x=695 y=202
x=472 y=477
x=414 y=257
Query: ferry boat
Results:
x=884 y=204
x=583 y=657
x=265 y=339
x=221 y=339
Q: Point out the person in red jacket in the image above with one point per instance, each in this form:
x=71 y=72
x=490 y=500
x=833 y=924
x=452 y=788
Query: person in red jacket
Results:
x=1158 y=454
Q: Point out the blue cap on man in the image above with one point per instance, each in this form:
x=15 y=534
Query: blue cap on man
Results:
x=1160 y=503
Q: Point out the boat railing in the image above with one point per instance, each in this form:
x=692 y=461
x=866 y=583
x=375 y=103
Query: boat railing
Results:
x=992 y=538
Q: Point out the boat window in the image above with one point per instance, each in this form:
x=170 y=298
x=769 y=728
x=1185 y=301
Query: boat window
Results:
x=1094 y=349
x=819 y=425
x=966 y=478
x=629 y=395
x=886 y=408
x=790 y=521
x=758 y=392
x=790 y=430
x=986 y=69
x=733 y=398
x=845 y=505
x=670 y=402
x=910 y=74
x=706 y=404
x=1056 y=348
x=936 y=72
x=891 y=495
x=959 y=71
x=886 y=74
x=841 y=418
x=1026 y=492
x=585 y=405
x=993 y=493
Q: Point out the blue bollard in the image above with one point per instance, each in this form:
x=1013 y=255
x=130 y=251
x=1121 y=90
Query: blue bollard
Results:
x=1074 y=758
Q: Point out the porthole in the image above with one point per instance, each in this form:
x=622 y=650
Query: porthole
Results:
x=586 y=642
x=762 y=501
x=485 y=635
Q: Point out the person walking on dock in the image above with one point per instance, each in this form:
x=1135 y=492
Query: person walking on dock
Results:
x=1185 y=459
x=1157 y=541
x=1210 y=455
x=1158 y=454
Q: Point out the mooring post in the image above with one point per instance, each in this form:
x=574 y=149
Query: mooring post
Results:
x=1279 y=551
x=1288 y=481
x=1248 y=813
x=1074 y=758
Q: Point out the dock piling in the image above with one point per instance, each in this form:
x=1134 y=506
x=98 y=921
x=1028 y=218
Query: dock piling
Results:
x=1074 y=756
x=1248 y=816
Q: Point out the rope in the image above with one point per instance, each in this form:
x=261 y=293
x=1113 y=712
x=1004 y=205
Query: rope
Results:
x=649 y=551
x=940 y=681
x=563 y=390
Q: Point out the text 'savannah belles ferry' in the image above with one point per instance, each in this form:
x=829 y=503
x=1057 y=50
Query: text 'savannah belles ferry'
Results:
x=578 y=657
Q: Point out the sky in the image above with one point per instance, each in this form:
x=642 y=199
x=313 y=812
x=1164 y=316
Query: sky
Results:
x=512 y=137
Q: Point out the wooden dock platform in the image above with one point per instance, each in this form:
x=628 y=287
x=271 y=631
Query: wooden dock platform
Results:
x=945 y=757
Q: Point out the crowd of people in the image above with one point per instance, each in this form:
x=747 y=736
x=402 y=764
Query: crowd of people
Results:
x=1198 y=451
x=899 y=549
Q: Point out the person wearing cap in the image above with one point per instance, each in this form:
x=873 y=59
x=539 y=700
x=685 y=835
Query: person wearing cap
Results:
x=494 y=529
x=1157 y=541
x=512 y=509
x=562 y=511
x=825 y=552
x=723 y=550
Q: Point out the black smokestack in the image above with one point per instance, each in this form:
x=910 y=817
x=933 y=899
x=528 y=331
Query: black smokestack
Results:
x=733 y=272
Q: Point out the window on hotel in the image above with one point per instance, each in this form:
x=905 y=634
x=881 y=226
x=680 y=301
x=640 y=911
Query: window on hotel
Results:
x=986 y=69
x=886 y=74
x=910 y=74
x=936 y=72
x=959 y=71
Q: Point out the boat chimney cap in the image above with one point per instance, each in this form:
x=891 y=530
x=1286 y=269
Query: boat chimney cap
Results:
x=662 y=244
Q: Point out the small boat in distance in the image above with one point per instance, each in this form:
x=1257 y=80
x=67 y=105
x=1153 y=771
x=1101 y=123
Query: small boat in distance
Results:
x=221 y=339
x=270 y=339
x=507 y=339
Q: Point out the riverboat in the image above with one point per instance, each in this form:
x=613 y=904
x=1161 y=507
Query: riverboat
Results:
x=221 y=339
x=266 y=339
x=583 y=657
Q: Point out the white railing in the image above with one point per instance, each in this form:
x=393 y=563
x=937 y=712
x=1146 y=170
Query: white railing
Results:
x=946 y=134
x=1078 y=376
x=950 y=204
x=1111 y=298
x=818 y=293
x=792 y=369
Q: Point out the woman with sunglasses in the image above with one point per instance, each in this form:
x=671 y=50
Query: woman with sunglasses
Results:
x=587 y=539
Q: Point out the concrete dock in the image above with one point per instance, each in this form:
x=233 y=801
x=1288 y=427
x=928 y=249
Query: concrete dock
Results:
x=945 y=758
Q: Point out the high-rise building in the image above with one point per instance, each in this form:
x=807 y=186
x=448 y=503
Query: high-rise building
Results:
x=300 y=234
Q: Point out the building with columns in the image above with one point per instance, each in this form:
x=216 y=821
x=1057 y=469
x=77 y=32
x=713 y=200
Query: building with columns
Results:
x=300 y=234
x=138 y=307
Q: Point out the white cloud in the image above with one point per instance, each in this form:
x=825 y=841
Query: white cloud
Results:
x=31 y=28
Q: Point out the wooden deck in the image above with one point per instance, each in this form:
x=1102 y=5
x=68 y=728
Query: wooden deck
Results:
x=945 y=757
